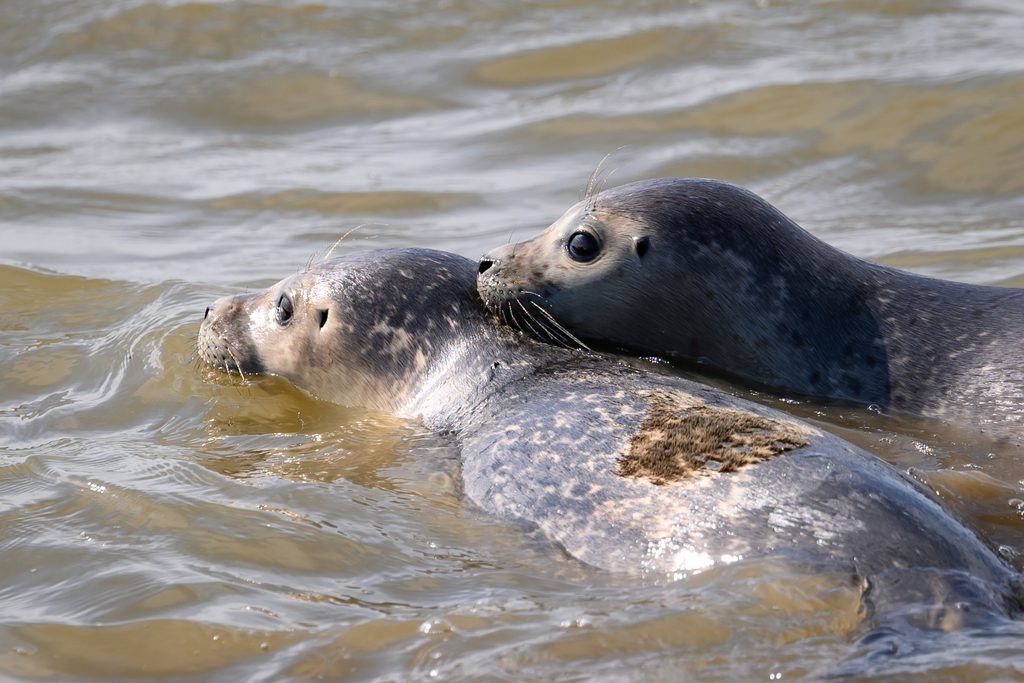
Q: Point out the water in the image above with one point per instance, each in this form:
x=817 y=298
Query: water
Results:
x=158 y=519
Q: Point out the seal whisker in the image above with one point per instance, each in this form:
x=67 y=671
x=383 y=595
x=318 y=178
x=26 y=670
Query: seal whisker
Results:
x=604 y=181
x=315 y=257
x=552 y=334
x=593 y=177
x=197 y=360
x=561 y=328
x=234 y=358
x=543 y=328
x=504 y=317
x=342 y=238
x=526 y=319
x=558 y=326
x=563 y=339
x=516 y=322
x=592 y=182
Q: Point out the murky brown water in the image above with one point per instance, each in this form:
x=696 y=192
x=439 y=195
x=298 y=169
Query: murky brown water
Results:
x=160 y=520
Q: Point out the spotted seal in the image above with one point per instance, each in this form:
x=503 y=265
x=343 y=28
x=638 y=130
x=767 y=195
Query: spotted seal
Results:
x=627 y=469
x=701 y=270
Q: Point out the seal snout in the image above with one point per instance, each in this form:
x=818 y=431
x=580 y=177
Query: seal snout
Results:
x=489 y=282
x=223 y=339
x=496 y=261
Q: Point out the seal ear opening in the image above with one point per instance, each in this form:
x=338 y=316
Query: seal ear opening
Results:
x=321 y=316
x=642 y=244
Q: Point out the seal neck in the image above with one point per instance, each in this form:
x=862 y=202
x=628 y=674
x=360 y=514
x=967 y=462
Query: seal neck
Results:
x=472 y=365
x=426 y=347
x=814 y=320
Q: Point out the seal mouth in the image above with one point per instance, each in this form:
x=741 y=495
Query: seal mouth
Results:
x=496 y=294
x=217 y=351
x=512 y=302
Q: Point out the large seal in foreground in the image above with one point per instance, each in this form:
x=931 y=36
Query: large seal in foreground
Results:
x=627 y=469
x=693 y=269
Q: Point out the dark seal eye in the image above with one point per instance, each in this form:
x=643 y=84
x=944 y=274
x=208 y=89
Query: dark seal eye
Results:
x=582 y=247
x=284 y=310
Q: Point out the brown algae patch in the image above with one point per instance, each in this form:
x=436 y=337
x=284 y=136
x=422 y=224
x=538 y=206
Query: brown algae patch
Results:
x=678 y=438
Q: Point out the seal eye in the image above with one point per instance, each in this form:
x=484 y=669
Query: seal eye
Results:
x=284 y=310
x=582 y=247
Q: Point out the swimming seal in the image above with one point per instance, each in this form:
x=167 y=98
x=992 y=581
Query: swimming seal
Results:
x=701 y=270
x=627 y=469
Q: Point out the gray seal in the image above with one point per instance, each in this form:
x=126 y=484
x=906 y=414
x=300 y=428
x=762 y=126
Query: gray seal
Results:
x=627 y=469
x=697 y=270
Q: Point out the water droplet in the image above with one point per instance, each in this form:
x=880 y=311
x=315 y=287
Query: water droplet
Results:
x=873 y=408
x=435 y=626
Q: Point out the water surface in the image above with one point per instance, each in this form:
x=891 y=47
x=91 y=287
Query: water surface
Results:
x=159 y=520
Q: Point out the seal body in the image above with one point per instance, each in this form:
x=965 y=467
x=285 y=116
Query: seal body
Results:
x=627 y=469
x=700 y=270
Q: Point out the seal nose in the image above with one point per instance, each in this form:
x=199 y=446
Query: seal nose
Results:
x=224 y=308
x=486 y=264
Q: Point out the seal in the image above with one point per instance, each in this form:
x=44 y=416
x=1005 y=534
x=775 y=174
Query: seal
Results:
x=625 y=468
x=697 y=270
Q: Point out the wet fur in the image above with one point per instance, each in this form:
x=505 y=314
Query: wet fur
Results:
x=543 y=432
x=678 y=439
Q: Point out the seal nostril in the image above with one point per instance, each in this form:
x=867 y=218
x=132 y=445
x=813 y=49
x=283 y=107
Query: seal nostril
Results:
x=642 y=244
x=207 y=314
x=485 y=265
